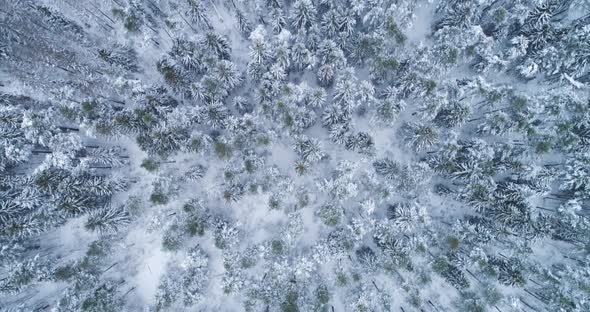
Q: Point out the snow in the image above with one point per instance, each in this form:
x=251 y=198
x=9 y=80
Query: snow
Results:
x=421 y=26
x=283 y=156
x=137 y=253
x=150 y=269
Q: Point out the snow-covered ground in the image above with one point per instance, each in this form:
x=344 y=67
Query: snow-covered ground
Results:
x=433 y=172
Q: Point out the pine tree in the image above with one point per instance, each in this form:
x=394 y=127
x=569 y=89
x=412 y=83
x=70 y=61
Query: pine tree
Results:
x=107 y=220
x=330 y=214
x=388 y=110
x=419 y=136
x=451 y=273
x=185 y=52
x=243 y=24
x=22 y=274
x=367 y=257
x=361 y=142
x=576 y=175
x=196 y=275
x=387 y=168
x=198 y=13
x=122 y=56
x=454 y=115
x=195 y=172
x=303 y=15
x=309 y=149
x=216 y=44
x=105 y=157
x=325 y=75
x=103 y=298
x=227 y=73
x=300 y=56
x=405 y=216
x=277 y=19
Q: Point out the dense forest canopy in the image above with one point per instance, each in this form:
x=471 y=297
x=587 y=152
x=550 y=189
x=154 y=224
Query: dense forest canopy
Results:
x=295 y=155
